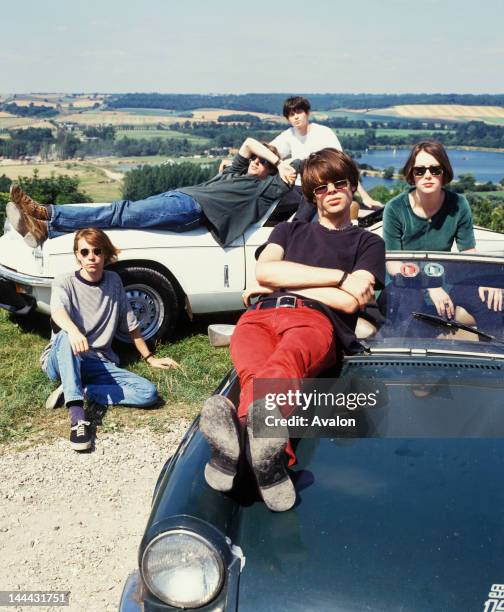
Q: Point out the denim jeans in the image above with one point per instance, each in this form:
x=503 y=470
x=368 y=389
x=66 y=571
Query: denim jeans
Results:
x=172 y=210
x=102 y=381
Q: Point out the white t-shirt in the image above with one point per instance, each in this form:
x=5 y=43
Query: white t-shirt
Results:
x=291 y=143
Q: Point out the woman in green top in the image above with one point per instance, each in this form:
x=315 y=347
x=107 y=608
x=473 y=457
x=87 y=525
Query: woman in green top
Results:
x=429 y=217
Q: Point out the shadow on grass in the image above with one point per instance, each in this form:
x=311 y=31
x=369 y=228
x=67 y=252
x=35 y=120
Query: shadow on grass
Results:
x=35 y=323
x=185 y=330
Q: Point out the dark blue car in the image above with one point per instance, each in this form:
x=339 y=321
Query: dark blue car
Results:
x=401 y=512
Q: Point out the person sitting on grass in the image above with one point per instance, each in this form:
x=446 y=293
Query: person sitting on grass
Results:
x=228 y=203
x=87 y=308
x=313 y=278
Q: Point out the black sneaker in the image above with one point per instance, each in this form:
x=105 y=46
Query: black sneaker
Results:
x=80 y=436
x=220 y=426
x=268 y=459
x=95 y=412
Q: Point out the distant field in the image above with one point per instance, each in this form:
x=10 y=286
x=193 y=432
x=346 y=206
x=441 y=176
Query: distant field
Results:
x=447 y=111
x=356 y=115
x=123 y=164
x=212 y=114
x=11 y=122
x=97 y=117
x=150 y=134
x=387 y=132
x=199 y=114
x=93 y=178
x=34 y=101
x=148 y=112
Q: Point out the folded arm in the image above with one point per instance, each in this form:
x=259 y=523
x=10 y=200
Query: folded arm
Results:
x=251 y=147
x=322 y=284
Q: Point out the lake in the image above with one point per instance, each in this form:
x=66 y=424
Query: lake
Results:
x=484 y=165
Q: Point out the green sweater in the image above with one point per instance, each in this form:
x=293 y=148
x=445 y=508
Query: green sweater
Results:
x=403 y=230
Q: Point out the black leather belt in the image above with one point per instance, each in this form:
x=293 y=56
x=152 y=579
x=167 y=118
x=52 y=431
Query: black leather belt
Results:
x=286 y=301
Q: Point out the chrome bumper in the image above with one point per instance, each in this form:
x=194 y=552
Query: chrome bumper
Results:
x=25 y=279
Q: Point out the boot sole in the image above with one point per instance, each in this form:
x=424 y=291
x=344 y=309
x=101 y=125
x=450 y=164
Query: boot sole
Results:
x=80 y=446
x=15 y=217
x=219 y=424
x=268 y=462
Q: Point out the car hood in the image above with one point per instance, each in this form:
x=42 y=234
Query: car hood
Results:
x=384 y=524
x=380 y=525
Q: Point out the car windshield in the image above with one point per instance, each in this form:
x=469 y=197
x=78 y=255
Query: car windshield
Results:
x=439 y=301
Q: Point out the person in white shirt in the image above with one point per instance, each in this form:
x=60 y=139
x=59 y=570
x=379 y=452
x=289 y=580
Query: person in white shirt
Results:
x=302 y=139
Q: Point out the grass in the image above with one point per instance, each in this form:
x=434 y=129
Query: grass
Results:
x=387 y=132
x=92 y=175
x=150 y=134
x=25 y=387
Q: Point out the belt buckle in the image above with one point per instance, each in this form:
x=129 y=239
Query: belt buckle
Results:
x=286 y=301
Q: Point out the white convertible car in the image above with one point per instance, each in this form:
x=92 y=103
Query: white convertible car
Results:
x=164 y=273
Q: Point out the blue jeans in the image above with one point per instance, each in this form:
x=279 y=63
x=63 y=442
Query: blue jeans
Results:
x=103 y=381
x=173 y=210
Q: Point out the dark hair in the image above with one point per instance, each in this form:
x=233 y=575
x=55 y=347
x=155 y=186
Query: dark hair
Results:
x=295 y=103
x=434 y=148
x=326 y=166
x=97 y=238
x=273 y=149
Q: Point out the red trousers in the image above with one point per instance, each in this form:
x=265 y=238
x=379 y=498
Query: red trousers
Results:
x=280 y=343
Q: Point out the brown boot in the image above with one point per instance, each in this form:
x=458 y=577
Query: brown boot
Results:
x=16 y=218
x=37 y=232
x=26 y=204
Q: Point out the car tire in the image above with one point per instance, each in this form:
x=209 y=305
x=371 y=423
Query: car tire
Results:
x=153 y=300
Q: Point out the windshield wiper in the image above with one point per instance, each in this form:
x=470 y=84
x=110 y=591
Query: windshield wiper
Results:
x=450 y=323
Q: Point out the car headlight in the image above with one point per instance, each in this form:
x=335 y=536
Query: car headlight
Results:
x=182 y=569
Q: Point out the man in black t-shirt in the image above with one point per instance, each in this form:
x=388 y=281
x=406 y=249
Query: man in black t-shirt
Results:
x=332 y=268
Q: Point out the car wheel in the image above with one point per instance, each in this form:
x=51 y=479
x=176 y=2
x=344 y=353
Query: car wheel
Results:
x=153 y=300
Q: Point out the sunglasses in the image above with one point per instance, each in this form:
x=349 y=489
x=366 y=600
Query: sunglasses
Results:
x=421 y=170
x=96 y=251
x=321 y=190
x=261 y=160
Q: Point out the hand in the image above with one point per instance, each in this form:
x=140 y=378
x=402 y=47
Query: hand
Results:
x=494 y=298
x=361 y=287
x=78 y=342
x=442 y=302
x=165 y=363
x=224 y=164
x=287 y=173
x=374 y=204
x=253 y=291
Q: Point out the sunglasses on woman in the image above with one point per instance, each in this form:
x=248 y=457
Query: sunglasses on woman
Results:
x=96 y=251
x=321 y=190
x=421 y=170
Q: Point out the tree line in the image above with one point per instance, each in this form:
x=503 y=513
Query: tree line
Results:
x=65 y=144
x=272 y=103
x=31 y=110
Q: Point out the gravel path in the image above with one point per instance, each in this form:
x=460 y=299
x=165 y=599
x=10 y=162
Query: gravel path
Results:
x=73 y=521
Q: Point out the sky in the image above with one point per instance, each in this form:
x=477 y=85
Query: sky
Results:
x=189 y=46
